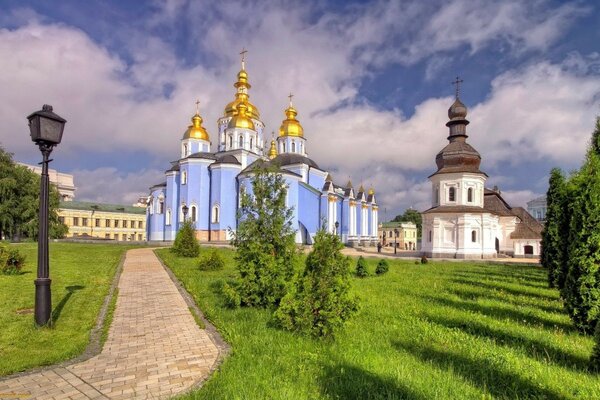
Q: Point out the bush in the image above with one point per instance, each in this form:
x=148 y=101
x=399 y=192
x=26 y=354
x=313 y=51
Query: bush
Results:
x=424 y=260
x=361 y=268
x=319 y=302
x=11 y=261
x=595 y=359
x=382 y=267
x=185 y=244
x=211 y=262
x=231 y=295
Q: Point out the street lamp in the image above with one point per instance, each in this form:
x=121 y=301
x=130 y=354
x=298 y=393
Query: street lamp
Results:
x=46 y=129
x=185 y=210
x=337 y=225
x=396 y=241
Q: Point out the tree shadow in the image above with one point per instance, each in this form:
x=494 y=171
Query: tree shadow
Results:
x=535 y=349
x=480 y=372
x=500 y=313
x=509 y=271
x=345 y=381
x=61 y=304
x=477 y=276
x=504 y=288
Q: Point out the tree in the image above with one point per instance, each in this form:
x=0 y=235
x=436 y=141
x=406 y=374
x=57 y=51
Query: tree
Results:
x=361 y=267
x=320 y=301
x=19 y=201
x=265 y=240
x=411 y=215
x=185 y=244
x=581 y=291
x=554 y=246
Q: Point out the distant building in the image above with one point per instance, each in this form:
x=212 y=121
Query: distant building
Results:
x=467 y=220
x=537 y=208
x=103 y=221
x=406 y=239
x=63 y=182
x=142 y=202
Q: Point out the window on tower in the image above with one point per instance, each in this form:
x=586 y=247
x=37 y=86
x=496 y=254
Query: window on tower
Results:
x=241 y=142
x=452 y=194
x=183 y=177
x=293 y=147
x=251 y=140
x=230 y=141
x=215 y=214
x=193 y=212
x=474 y=236
x=470 y=195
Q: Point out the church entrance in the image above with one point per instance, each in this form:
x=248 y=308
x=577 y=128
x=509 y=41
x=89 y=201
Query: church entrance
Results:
x=497 y=246
x=528 y=250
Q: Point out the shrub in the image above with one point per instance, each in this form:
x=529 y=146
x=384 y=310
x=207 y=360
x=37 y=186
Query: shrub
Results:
x=361 y=268
x=185 y=244
x=424 y=260
x=319 y=302
x=595 y=358
x=11 y=261
x=382 y=267
x=211 y=262
x=231 y=295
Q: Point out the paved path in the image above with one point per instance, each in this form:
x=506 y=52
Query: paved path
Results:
x=154 y=349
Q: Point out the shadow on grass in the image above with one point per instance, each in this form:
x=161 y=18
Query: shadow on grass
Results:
x=500 y=313
x=344 y=381
x=510 y=271
x=505 y=288
x=535 y=349
x=61 y=304
x=476 y=294
x=480 y=372
x=478 y=276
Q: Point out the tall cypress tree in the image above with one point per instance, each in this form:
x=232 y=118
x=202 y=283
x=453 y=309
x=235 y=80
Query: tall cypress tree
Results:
x=581 y=291
x=554 y=247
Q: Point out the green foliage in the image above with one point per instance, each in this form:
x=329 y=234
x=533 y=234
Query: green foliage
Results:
x=361 y=268
x=265 y=241
x=231 y=295
x=320 y=302
x=212 y=261
x=424 y=260
x=411 y=215
x=554 y=255
x=581 y=291
x=382 y=267
x=11 y=260
x=595 y=358
x=185 y=244
x=19 y=202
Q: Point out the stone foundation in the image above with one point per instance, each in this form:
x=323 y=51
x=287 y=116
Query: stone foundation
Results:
x=215 y=236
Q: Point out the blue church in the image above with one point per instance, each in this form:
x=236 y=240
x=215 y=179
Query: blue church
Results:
x=209 y=182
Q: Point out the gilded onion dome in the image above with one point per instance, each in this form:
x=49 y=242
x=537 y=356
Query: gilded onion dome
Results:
x=291 y=126
x=196 y=130
x=242 y=85
x=241 y=119
x=272 y=150
x=371 y=191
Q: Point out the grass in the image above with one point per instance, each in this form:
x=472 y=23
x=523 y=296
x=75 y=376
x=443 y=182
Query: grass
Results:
x=441 y=330
x=110 y=312
x=81 y=276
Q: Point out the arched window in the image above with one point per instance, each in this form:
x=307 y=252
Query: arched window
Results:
x=470 y=195
x=437 y=196
x=301 y=152
x=184 y=177
x=215 y=214
x=230 y=141
x=241 y=142
x=185 y=150
x=193 y=213
x=293 y=147
x=283 y=148
x=474 y=236
x=181 y=213
x=168 y=217
x=452 y=194
x=161 y=206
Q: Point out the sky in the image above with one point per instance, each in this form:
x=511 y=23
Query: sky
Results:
x=371 y=83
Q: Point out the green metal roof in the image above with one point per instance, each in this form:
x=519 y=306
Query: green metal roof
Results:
x=90 y=206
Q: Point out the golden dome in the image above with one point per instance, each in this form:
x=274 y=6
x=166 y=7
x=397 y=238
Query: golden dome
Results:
x=371 y=191
x=242 y=85
x=241 y=119
x=291 y=126
x=272 y=150
x=196 y=130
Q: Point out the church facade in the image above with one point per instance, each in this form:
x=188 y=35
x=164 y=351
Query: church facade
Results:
x=207 y=181
x=466 y=219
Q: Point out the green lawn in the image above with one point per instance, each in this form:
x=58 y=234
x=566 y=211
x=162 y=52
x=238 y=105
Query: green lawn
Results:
x=441 y=330
x=81 y=277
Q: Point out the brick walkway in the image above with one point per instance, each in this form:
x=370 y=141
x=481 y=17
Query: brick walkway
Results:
x=154 y=349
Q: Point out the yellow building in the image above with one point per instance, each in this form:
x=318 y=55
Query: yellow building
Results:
x=404 y=234
x=103 y=221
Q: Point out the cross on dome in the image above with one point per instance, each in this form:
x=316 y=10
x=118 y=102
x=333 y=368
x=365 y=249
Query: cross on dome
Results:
x=290 y=97
x=243 y=54
x=457 y=83
x=197 y=106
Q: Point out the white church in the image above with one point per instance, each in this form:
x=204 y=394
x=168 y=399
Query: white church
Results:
x=467 y=220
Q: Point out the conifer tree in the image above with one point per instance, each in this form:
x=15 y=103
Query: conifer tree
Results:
x=554 y=243
x=186 y=244
x=581 y=291
x=265 y=240
x=320 y=301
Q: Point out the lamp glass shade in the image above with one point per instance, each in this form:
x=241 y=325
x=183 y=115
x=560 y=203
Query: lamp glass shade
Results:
x=46 y=126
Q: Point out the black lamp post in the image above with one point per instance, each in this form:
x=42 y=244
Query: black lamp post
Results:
x=337 y=225
x=185 y=210
x=396 y=241
x=46 y=129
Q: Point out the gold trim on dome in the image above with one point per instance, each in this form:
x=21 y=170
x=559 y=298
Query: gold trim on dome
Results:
x=272 y=150
x=291 y=126
x=196 y=130
x=241 y=119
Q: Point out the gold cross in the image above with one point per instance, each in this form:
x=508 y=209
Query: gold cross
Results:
x=198 y=106
x=290 y=97
x=243 y=54
x=457 y=82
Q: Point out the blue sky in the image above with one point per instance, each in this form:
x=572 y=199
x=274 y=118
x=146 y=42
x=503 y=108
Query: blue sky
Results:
x=371 y=83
